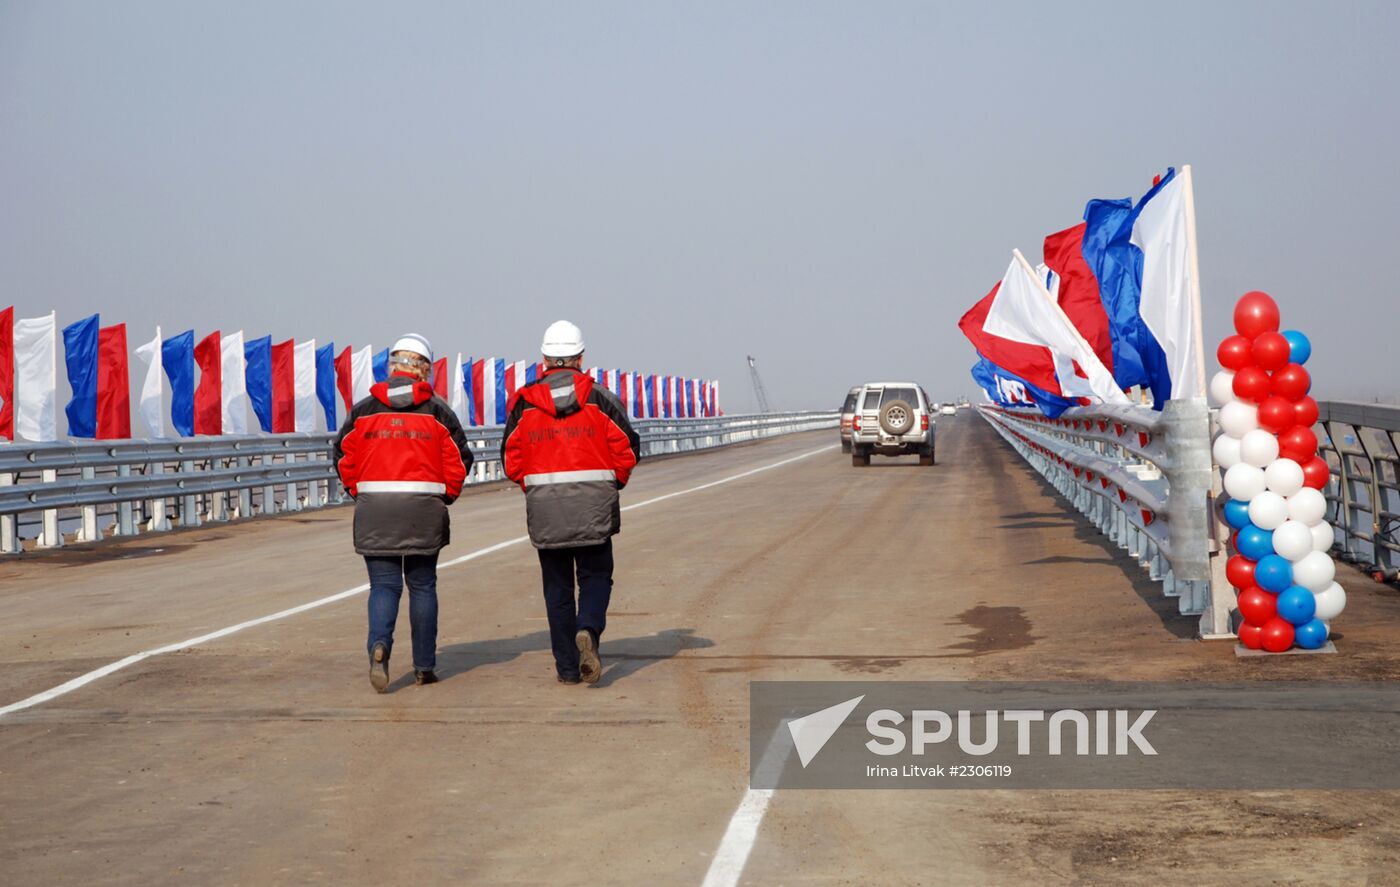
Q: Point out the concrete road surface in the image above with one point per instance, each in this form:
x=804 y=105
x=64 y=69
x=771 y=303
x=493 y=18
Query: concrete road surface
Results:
x=263 y=757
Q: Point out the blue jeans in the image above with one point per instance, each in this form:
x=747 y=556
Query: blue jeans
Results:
x=593 y=565
x=386 y=578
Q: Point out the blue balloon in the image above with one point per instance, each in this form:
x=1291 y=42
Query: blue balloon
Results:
x=1310 y=635
x=1237 y=514
x=1254 y=543
x=1273 y=573
x=1299 y=348
x=1297 y=605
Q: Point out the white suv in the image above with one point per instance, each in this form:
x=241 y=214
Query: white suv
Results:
x=892 y=419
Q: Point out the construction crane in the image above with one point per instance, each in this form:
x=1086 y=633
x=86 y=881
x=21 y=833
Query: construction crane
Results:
x=759 y=394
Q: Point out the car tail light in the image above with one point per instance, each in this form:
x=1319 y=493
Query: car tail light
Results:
x=855 y=423
x=923 y=422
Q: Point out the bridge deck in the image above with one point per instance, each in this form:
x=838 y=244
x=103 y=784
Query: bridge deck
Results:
x=265 y=757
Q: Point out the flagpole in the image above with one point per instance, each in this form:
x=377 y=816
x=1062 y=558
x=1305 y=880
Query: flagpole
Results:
x=1198 y=330
x=1089 y=354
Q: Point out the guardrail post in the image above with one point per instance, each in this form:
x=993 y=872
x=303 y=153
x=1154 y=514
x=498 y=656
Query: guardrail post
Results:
x=189 y=504
x=126 y=526
x=50 y=537
x=87 y=531
x=293 y=502
x=158 y=523
x=313 y=488
x=1192 y=523
x=9 y=525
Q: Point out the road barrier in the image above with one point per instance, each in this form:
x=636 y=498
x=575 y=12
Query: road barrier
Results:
x=84 y=491
x=1145 y=479
x=1362 y=447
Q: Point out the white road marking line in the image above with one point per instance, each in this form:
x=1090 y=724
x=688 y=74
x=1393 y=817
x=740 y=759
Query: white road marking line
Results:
x=733 y=854
x=85 y=679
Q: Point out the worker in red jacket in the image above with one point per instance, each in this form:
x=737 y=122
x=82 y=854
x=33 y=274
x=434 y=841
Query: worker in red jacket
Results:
x=570 y=447
x=403 y=457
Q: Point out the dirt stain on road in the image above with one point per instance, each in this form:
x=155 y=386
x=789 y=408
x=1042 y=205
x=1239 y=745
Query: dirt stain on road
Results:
x=997 y=630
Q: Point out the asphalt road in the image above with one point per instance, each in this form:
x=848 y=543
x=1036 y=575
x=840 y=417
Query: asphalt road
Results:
x=264 y=757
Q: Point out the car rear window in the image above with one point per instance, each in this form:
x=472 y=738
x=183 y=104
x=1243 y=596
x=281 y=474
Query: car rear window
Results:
x=850 y=405
x=908 y=395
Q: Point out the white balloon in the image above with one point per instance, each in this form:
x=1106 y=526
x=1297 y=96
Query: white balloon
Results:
x=1226 y=451
x=1331 y=601
x=1307 y=505
x=1238 y=418
x=1315 y=571
x=1322 y=536
x=1259 y=448
x=1222 y=388
x=1293 y=540
x=1244 y=482
x=1268 y=511
x=1284 y=476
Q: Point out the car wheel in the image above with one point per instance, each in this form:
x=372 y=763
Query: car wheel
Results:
x=860 y=458
x=896 y=417
x=845 y=446
x=926 y=456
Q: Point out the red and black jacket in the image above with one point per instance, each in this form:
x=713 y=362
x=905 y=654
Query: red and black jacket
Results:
x=403 y=456
x=570 y=446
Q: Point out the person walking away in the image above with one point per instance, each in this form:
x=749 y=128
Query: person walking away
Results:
x=570 y=447
x=403 y=457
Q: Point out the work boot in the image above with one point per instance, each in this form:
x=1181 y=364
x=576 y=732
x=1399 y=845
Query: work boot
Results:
x=424 y=677
x=590 y=667
x=379 y=668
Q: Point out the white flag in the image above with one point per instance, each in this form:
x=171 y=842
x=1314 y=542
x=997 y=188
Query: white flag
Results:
x=148 y=406
x=361 y=374
x=1167 y=301
x=458 y=392
x=36 y=378
x=304 y=384
x=1023 y=311
x=232 y=367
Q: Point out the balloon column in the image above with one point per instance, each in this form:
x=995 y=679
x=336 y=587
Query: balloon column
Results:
x=1282 y=573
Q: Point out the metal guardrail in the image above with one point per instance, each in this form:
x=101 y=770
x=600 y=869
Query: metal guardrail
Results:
x=1361 y=443
x=1145 y=479
x=82 y=491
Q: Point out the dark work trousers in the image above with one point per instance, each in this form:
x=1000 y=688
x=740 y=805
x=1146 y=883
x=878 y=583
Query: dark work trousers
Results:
x=594 y=566
x=386 y=579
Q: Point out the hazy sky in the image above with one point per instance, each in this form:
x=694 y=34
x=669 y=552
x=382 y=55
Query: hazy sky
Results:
x=825 y=186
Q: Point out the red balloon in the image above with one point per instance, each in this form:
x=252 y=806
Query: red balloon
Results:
x=1252 y=384
x=1291 y=382
x=1270 y=350
x=1306 y=409
x=1278 y=635
x=1235 y=541
x=1233 y=353
x=1316 y=474
x=1239 y=570
x=1252 y=636
x=1257 y=606
x=1256 y=313
x=1276 y=414
x=1298 y=443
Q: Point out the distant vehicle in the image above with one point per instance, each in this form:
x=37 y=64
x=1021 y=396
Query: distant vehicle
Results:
x=848 y=414
x=949 y=410
x=891 y=419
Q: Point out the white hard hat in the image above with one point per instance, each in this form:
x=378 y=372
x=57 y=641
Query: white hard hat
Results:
x=414 y=343
x=562 y=339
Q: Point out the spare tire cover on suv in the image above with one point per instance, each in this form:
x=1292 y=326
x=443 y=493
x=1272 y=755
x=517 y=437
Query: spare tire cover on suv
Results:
x=896 y=417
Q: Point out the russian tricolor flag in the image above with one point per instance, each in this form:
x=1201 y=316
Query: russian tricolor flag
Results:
x=281 y=384
x=1006 y=389
x=487 y=394
x=28 y=377
x=97 y=372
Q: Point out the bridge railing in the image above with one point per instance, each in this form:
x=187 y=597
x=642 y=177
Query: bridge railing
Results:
x=84 y=491
x=1362 y=449
x=1144 y=478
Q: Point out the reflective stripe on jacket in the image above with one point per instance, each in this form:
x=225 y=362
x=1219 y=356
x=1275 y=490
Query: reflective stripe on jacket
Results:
x=570 y=447
x=404 y=457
